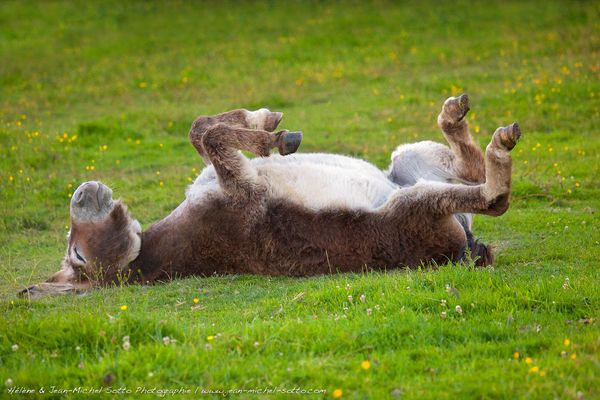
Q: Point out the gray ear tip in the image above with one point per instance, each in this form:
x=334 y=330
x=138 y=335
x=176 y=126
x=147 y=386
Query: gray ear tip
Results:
x=26 y=293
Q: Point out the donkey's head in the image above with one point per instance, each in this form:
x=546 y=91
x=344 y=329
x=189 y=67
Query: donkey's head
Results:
x=103 y=240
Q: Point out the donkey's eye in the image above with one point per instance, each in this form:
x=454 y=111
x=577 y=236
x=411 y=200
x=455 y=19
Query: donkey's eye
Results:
x=79 y=257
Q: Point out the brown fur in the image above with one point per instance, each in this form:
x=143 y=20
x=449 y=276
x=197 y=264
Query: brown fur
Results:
x=288 y=239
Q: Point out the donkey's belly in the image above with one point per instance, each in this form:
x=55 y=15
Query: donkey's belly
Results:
x=315 y=181
x=326 y=181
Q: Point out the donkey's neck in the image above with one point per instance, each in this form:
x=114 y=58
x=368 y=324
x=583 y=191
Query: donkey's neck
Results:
x=163 y=249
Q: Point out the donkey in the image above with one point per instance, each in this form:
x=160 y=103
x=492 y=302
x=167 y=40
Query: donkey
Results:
x=295 y=214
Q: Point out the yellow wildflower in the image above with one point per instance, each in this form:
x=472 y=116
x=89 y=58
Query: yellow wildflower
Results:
x=365 y=365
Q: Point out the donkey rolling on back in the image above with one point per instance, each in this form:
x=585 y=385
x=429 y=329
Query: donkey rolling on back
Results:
x=302 y=214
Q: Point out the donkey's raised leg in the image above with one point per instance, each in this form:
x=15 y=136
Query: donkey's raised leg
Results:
x=262 y=119
x=468 y=162
x=432 y=161
x=430 y=199
x=221 y=142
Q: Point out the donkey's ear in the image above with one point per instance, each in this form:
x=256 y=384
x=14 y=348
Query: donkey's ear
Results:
x=46 y=289
x=62 y=282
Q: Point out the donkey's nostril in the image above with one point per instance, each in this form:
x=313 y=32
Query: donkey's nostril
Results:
x=79 y=197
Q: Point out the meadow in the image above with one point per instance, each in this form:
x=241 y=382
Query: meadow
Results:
x=107 y=91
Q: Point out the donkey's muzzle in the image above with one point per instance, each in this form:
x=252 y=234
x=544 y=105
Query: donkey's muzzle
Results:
x=91 y=200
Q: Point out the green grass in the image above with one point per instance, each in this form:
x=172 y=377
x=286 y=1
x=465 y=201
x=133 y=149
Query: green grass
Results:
x=108 y=90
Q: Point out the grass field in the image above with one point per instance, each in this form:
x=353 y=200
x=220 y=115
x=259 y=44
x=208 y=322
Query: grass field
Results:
x=107 y=91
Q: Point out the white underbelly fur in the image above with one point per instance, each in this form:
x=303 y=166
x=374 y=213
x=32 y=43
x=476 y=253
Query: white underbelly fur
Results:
x=316 y=181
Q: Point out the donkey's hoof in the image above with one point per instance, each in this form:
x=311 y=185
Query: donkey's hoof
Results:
x=508 y=136
x=455 y=109
x=290 y=141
